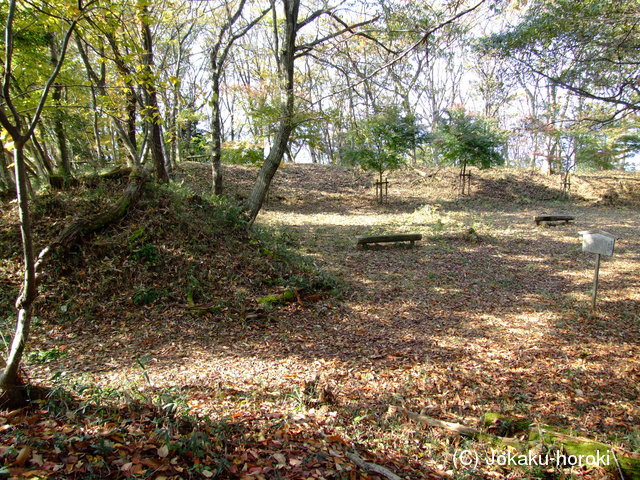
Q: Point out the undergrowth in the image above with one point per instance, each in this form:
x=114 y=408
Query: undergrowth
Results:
x=175 y=249
x=306 y=274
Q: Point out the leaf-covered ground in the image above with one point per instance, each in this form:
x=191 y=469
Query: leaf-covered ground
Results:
x=489 y=313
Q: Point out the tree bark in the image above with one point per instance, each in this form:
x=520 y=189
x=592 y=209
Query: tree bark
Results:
x=216 y=127
x=9 y=381
x=152 y=111
x=64 y=165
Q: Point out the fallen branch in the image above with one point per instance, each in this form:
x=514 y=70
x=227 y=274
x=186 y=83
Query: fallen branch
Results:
x=116 y=173
x=600 y=454
x=372 y=467
x=84 y=226
x=434 y=422
x=212 y=307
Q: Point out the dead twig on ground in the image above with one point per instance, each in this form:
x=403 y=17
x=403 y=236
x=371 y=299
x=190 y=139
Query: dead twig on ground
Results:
x=372 y=467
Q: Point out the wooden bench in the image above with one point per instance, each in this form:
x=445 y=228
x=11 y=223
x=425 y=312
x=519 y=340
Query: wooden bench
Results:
x=362 y=241
x=553 y=219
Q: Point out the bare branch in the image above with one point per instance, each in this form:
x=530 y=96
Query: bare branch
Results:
x=407 y=51
x=349 y=28
x=615 y=99
x=52 y=79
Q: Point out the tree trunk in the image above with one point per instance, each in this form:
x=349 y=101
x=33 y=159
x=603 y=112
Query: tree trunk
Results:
x=64 y=165
x=152 y=113
x=97 y=88
x=96 y=126
x=6 y=179
x=84 y=226
x=267 y=171
x=218 y=57
x=216 y=127
x=174 y=155
x=43 y=154
x=12 y=394
x=10 y=390
x=273 y=160
x=132 y=100
x=174 y=134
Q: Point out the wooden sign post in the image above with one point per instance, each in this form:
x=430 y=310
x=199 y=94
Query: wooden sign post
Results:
x=600 y=243
x=594 y=293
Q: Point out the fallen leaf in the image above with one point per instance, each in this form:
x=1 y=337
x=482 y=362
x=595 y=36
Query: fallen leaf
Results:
x=163 y=451
x=23 y=456
x=37 y=459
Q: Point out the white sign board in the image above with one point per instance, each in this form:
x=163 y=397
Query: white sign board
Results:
x=598 y=241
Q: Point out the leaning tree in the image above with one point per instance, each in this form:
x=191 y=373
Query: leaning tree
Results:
x=20 y=128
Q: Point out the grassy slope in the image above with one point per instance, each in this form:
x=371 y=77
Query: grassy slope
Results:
x=461 y=325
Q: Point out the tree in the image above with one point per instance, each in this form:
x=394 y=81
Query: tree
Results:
x=105 y=28
x=227 y=36
x=604 y=148
x=590 y=48
x=382 y=142
x=58 y=118
x=20 y=132
x=463 y=140
x=148 y=80
x=286 y=59
x=286 y=52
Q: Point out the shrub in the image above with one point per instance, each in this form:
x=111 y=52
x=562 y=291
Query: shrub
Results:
x=463 y=139
x=242 y=153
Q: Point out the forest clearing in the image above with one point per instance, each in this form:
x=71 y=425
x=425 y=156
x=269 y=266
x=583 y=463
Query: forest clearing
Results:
x=350 y=240
x=489 y=313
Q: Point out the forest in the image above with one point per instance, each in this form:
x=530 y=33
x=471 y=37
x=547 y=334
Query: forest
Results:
x=205 y=268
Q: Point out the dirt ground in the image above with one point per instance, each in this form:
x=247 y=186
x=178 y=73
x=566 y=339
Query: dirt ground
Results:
x=488 y=313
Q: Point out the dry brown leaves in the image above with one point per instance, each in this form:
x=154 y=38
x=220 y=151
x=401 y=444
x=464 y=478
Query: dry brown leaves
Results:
x=455 y=327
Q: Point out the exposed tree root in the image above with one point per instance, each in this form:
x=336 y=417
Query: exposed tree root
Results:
x=588 y=451
x=21 y=395
x=434 y=422
x=15 y=396
x=84 y=226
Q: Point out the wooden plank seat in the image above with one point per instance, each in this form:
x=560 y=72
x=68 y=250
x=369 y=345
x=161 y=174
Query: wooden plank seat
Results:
x=554 y=219
x=398 y=237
